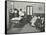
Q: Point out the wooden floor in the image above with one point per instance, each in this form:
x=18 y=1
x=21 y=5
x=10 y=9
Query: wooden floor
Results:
x=26 y=28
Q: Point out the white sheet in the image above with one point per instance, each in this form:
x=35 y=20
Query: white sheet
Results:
x=17 y=18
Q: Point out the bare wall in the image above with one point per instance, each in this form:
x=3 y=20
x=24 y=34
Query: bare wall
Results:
x=37 y=7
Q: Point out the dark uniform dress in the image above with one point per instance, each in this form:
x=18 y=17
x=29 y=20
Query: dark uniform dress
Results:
x=26 y=20
x=12 y=15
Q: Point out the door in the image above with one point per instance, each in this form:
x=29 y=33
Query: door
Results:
x=29 y=10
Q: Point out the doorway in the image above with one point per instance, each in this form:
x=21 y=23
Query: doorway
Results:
x=29 y=10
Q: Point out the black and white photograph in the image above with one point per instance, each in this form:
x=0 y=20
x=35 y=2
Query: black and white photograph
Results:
x=24 y=17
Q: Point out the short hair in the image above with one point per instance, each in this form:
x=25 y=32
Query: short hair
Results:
x=20 y=9
x=16 y=9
